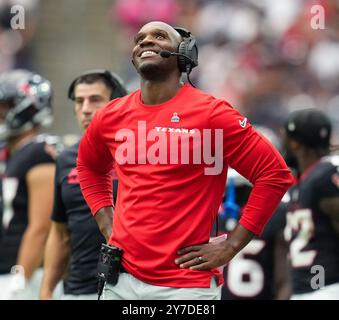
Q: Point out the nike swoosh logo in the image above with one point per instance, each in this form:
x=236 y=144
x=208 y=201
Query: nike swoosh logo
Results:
x=243 y=123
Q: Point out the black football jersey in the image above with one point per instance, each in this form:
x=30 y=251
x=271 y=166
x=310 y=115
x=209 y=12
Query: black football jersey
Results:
x=86 y=239
x=250 y=274
x=14 y=193
x=312 y=238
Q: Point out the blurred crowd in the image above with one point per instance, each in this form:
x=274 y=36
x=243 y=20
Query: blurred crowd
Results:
x=263 y=56
x=266 y=57
x=15 y=44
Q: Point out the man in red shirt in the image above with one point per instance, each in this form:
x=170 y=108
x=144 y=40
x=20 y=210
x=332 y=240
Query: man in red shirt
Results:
x=167 y=204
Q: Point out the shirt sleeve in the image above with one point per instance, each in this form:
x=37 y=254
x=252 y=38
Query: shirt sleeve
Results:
x=255 y=158
x=59 y=210
x=39 y=154
x=94 y=165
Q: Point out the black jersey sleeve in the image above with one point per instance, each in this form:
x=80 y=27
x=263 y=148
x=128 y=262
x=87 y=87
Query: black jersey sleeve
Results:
x=327 y=182
x=277 y=222
x=37 y=154
x=59 y=210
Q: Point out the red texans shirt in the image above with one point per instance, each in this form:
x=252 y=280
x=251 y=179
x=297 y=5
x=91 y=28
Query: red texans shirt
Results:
x=167 y=198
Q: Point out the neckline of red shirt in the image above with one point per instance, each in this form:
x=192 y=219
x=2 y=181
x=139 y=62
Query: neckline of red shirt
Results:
x=152 y=107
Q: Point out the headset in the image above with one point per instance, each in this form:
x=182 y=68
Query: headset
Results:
x=116 y=83
x=187 y=50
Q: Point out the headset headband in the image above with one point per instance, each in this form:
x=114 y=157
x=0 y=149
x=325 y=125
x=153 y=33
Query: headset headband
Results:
x=183 y=32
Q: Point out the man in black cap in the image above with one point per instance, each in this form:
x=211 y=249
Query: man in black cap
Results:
x=312 y=227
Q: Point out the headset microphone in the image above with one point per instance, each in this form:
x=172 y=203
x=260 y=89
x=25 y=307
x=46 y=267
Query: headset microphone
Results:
x=167 y=54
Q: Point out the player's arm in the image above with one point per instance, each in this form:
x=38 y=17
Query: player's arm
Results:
x=282 y=281
x=40 y=200
x=94 y=165
x=56 y=258
x=255 y=158
x=216 y=253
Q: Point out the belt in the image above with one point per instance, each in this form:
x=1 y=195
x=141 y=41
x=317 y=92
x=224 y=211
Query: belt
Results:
x=123 y=270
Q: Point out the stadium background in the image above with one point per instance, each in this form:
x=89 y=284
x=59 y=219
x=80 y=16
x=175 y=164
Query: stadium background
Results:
x=263 y=56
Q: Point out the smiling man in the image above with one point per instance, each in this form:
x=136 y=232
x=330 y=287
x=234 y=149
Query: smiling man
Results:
x=165 y=211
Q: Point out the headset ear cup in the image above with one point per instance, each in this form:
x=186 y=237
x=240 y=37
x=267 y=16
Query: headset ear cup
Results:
x=117 y=85
x=71 y=90
x=181 y=60
x=192 y=52
x=119 y=89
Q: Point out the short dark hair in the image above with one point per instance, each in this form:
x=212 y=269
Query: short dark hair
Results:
x=93 y=78
x=110 y=79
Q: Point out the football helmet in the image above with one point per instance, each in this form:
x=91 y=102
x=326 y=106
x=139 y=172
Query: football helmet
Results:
x=28 y=96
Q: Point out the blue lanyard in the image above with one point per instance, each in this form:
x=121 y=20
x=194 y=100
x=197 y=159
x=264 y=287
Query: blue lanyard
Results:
x=231 y=208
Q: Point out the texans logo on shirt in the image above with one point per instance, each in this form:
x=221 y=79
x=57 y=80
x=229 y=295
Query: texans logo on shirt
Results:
x=73 y=177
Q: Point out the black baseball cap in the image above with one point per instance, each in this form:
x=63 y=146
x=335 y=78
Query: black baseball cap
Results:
x=310 y=127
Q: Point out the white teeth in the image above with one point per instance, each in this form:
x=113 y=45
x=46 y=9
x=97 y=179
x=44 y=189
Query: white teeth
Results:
x=148 y=53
